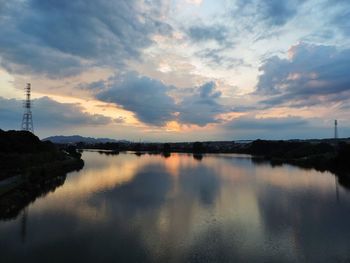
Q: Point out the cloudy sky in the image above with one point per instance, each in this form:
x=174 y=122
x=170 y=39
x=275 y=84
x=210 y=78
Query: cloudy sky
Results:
x=175 y=70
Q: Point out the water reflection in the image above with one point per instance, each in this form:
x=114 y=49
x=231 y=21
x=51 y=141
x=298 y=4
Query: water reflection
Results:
x=341 y=177
x=14 y=202
x=198 y=156
x=147 y=208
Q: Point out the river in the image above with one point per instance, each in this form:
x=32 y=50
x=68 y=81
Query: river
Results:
x=183 y=208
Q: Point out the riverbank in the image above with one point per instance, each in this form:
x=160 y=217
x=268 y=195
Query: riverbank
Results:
x=19 y=191
x=323 y=155
x=24 y=159
x=30 y=168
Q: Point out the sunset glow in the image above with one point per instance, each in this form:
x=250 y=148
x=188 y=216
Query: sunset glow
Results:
x=178 y=70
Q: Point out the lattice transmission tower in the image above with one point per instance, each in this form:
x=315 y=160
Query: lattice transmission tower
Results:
x=27 y=120
x=335 y=129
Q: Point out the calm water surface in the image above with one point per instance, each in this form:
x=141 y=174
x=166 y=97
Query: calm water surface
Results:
x=221 y=208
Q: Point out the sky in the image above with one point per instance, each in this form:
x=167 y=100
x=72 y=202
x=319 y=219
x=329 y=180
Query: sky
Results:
x=177 y=70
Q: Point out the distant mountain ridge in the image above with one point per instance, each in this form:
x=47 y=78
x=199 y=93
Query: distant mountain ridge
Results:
x=77 y=138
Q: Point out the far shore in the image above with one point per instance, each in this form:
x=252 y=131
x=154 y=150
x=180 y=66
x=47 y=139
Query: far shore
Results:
x=331 y=155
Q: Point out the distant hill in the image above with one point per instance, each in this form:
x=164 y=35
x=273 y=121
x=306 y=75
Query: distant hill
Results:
x=22 y=142
x=23 y=153
x=77 y=138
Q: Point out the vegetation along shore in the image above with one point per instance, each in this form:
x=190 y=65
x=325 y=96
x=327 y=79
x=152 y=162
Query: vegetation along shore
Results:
x=324 y=155
x=26 y=160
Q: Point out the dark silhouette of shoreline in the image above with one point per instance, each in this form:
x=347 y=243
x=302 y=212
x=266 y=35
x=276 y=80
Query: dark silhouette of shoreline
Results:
x=323 y=155
x=30 y=168
x=38 y=167
x=22 y=154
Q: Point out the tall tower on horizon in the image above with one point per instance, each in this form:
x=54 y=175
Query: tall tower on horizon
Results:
x=27 y=120
x=335 y=129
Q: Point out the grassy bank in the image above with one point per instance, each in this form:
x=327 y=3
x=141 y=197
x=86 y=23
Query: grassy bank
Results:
x=24 y=158
x=30 y=168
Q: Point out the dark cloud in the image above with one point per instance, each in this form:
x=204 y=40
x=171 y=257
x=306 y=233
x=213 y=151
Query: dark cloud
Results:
x=340 y=14
x=245 y=108
x=150 y=101
x=216 y=57
x=313 y=74
x=279 y=128
x=93 y=86
x=202 y=106
x=47 y=114
x=342 y=20
x=4 y=7
x=200 y=33
x=253 y=123
x=271 y=12
x=62 y=37
x=147 y=98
